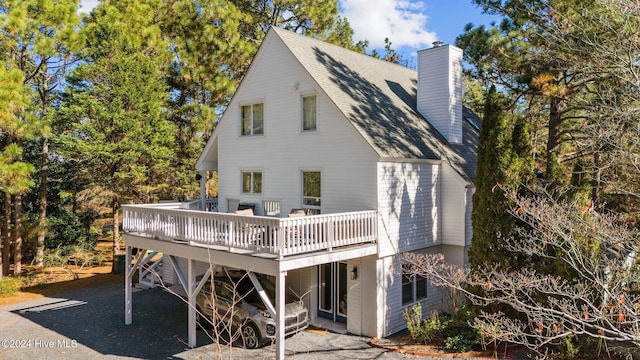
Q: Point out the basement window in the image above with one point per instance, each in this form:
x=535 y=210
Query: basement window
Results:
x=414 y=287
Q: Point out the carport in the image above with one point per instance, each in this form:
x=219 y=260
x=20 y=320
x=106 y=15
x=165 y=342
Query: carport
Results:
x=251 y=261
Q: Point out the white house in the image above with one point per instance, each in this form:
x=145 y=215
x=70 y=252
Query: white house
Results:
x=381 y=157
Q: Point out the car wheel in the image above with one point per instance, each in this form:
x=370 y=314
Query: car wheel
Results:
x=250 y=336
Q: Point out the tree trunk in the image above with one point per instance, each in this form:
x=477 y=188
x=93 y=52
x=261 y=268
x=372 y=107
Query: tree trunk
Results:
x=6 y=241
x=42 y=221
x=555 y=120
x=116 y=232
x=17 y=236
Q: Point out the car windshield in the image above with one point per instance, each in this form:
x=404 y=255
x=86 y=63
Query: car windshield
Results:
x=252 y=296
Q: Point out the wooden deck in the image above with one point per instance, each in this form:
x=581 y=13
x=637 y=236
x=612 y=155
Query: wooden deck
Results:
x=281 y=237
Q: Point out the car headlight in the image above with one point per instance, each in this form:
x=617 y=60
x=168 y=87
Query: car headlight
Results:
x=265 y=313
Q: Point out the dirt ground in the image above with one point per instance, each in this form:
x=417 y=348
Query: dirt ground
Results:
x=55 y=280
x=402 y=342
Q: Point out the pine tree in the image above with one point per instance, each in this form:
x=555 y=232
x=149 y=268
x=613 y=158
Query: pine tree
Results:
x=15 y=175
x=39 y=38
x=113 y=108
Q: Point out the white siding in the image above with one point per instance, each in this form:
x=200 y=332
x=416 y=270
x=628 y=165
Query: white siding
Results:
x=394 y=320
x=346 y=161
x=458 y=256
x=169 y=275
x=408 y=205
x=454 y=201
x=454 y=254
x=354 y=298
x=371 y=307
x=385 y=281
x=298 y=282
x=313 y=292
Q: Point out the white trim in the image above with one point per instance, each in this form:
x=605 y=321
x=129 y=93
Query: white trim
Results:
x=248 y=259
x=405 y=160
x=251 y=171
x=280 y=309
x=302 y=204
x=302 y=96
x=251 y=105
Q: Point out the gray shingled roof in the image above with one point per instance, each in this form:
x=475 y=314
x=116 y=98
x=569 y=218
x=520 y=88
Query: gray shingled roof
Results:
x=379 y=98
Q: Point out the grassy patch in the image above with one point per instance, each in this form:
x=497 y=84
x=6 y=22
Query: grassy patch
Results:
x=10 y=285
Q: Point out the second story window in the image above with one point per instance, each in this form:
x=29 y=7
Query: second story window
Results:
x=309 y=113
x=253 y=119
x=252 y=182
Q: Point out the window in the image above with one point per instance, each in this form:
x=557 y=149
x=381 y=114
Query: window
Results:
x=309 y=113
x=253 y=119
x=311 y=191
x=224 y=291
x=252 y=182
x=414 y=287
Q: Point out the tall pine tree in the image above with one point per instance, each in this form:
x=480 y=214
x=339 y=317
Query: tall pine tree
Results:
x=492 y=223
x=113 y=107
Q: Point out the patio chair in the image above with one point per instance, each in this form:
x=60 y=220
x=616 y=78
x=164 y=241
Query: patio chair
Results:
x=297 y=213
x=247 y=212
x=295 y=232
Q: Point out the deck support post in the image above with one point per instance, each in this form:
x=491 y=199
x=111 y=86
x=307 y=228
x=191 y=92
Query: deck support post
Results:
x=191 y=278
x=203 y=190
x=128 y=284
x=129 y=271
x=280 y=305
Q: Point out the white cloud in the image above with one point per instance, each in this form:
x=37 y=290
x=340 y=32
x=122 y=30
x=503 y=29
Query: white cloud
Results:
x=87 y=5
x=403 y=22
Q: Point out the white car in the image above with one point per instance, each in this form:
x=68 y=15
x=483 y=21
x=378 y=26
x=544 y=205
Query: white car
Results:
x=235 y=295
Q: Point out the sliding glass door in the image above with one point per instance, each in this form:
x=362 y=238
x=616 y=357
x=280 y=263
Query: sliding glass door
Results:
x=332 y=294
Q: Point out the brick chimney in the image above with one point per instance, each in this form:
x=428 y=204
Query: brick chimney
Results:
x=440 y=89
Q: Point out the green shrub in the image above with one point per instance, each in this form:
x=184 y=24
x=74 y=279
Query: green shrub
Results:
x=571 y=348
x=10 y=285
x=413 y=317
x=459 y=335
x=422 y=331
x=454 y=330
x=74 y=258
x=68 y=228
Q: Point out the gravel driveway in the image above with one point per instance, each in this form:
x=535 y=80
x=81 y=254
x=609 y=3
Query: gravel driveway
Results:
x=89 y=324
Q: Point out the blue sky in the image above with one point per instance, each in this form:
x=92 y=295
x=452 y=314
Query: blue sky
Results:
x=411 y=25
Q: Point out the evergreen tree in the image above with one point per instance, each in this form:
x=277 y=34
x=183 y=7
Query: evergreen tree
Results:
x=113 y=107
x=39 y=38
x=15 y=175
x=492 y=223
x=517 y=55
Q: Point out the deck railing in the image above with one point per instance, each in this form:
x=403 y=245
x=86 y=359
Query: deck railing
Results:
x=278 y=236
